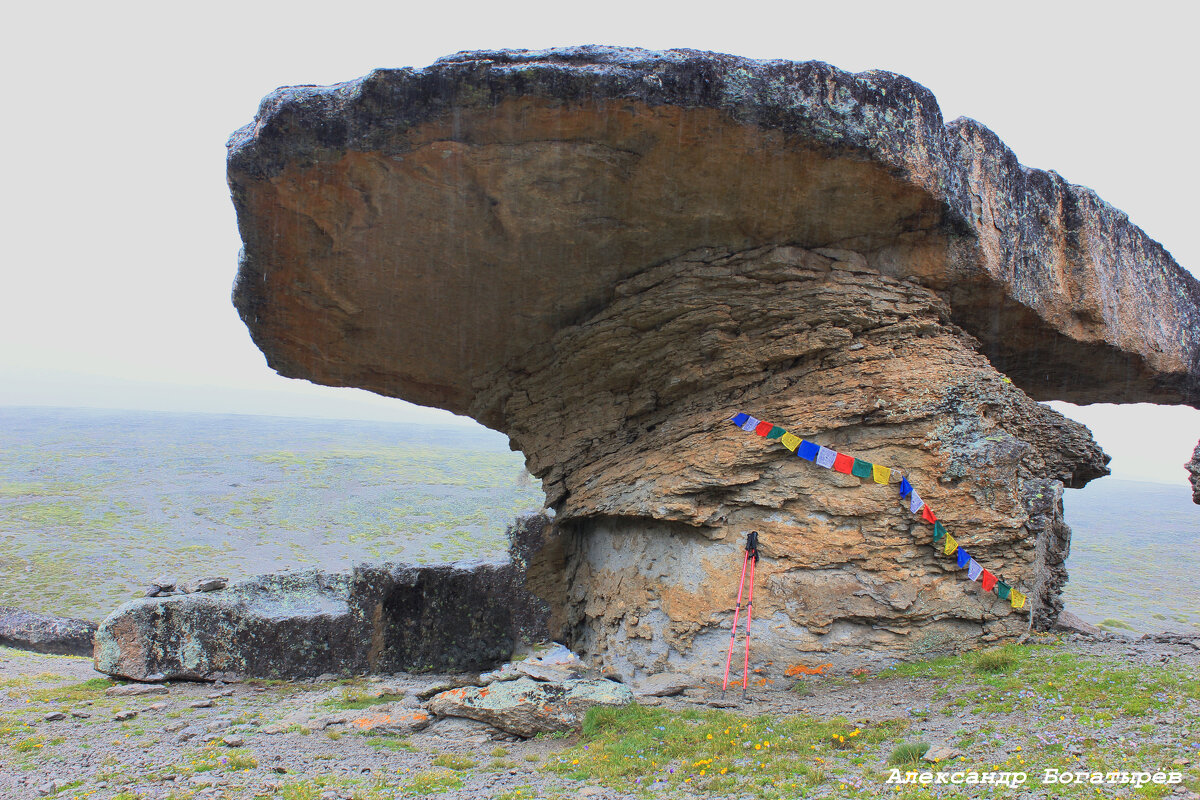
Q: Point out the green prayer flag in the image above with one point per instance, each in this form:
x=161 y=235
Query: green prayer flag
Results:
x=862 y=469
x=1003 y=590
x=776 y=432
x=939 y=531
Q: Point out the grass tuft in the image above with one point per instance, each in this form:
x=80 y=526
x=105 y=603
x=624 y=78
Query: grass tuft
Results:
x=908 y=753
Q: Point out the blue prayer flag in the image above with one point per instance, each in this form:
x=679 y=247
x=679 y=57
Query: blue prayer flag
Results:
x=807 y=450
x=964 y=558
x=739 y=419
x=905 y=487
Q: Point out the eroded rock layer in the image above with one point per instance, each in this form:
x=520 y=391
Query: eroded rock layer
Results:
x=604 y=253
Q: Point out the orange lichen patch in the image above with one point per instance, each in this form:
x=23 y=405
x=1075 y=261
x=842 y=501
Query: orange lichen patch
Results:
x=860 y=671
x=375 y=720
x=800 y=669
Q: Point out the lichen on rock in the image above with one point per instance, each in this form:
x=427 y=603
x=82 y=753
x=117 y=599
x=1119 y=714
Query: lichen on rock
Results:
x=605 y=253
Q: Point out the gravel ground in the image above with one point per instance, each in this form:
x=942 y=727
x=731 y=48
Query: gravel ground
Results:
x=258 y=740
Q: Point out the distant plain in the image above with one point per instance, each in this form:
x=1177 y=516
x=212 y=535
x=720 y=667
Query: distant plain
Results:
x=95 y=504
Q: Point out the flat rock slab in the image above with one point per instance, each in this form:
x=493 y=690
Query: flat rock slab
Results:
x=43 y=633
x=136 y=690
x=374 y=618
x=526 y=707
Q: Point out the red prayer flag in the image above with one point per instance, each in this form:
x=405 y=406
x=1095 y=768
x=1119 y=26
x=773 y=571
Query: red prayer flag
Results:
x=763 y=428
x=988 y=580
x=843 y=463
x=927 y=514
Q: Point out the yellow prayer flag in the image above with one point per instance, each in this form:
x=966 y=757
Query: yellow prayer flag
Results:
x=881 y=474
x=1017 y=599
x=951 y=545
x=790 y=442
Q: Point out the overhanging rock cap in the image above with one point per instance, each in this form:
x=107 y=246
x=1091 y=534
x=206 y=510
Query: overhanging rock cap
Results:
x=411 y=231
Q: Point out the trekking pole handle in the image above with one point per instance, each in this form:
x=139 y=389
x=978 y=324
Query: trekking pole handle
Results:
x=752 y=544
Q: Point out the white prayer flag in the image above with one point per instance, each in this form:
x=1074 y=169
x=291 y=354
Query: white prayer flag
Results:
x=826 y=457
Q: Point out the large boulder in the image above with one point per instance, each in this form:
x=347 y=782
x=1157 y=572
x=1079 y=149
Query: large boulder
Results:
x=375 y=618
x=43 y=633
x=1193 y=468
x=606 y=252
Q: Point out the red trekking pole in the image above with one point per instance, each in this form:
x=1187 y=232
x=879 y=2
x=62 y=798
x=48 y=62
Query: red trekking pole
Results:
x=751 y=553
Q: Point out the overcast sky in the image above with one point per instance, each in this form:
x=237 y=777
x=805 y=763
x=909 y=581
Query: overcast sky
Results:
x=120 y=239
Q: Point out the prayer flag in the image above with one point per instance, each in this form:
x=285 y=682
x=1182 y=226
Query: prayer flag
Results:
x=763 y=428
x=789 y=441
x=905 y=487
x=750 y=424
x=951 y=545
x=861 y=468
x=843 y=463
x=1003 y=590
x=825 y=457
x=739 y=419
x=988 y=580
x=928 y=515
x=964 y=557
x=883 y=475
x=776 y=432
x=974 y=569
x=939 y=530
x=915 y=504
x=807 y=450
x=1017 y=599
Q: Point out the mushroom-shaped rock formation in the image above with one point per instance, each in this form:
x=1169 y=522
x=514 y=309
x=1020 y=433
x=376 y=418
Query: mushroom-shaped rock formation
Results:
x=606 y=252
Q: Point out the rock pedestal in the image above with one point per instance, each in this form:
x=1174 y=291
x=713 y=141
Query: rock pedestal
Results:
x=605 y=253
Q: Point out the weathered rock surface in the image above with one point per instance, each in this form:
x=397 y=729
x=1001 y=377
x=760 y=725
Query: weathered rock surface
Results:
x=526 y=707
x=604 y=253
x=384 y=618
x=43 y=633
x=1193 y=468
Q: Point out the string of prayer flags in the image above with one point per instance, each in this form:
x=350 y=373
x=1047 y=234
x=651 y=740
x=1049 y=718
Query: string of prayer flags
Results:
x=825 y=457
x=974 y=569
x=842 y=462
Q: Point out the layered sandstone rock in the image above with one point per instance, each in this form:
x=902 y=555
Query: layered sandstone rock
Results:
x=604 y=253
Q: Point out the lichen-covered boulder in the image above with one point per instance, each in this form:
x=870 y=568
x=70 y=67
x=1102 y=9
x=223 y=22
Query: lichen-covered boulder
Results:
x=526 y=707
x=43 y=633
x=375 y=618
